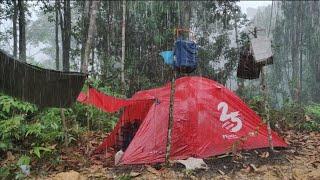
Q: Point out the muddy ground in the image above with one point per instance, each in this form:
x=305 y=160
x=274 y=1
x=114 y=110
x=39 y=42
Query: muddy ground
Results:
x=300 y=161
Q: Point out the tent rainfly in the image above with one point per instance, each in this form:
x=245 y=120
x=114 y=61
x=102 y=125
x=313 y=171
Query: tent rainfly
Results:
x=209 y=120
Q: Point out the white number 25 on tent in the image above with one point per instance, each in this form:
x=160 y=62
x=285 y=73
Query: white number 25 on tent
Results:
x=231 y=121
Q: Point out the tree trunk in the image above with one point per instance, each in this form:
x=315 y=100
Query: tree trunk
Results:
x=92 y=59
x=57 y=35
x=85 y=27
x=295 y=60
x=123 y=47
x=186 y=14
x=91 y=32
x=65 y=23
x=14 y=28
x=301 y=50
x=22 y=31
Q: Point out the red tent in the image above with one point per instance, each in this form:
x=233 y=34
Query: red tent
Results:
x=209 y=120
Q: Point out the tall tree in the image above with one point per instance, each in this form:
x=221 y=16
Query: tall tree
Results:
x=90 y=37
x=123 y=46
x=14 y=28
x=85 y=24
x=65 y=24
x=22 y=30
x=57 y=35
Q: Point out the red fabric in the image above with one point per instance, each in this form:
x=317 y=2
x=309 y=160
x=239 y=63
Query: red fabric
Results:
x=209 y=120
x=82 y=97
x=105 y=102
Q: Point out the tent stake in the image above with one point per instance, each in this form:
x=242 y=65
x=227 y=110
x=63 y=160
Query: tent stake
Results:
x=170 y=124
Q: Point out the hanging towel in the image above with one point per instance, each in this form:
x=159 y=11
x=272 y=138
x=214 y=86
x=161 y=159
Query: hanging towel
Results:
x=43 y=87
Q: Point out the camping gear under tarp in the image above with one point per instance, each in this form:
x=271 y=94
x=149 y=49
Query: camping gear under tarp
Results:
x=261 y=50
x=43 y=87
x=186 y=56
x=247 y=67
x=208 y=120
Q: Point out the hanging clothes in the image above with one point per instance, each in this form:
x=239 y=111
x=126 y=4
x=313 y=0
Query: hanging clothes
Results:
x=261 y=50
x=186 y=56
x=247 y=67
x=43 y=87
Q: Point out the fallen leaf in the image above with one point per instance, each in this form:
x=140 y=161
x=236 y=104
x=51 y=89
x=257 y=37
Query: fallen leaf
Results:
x=247 y=169
x=254 y=167
x=10 y=157
x=152 y=170
x=134 y=174
x=221 y=172
x=52 y=146
x=264 y=154
x=71 y=175
x=307 y=118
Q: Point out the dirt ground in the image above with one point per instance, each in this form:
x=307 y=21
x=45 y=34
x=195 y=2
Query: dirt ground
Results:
x=300 y=161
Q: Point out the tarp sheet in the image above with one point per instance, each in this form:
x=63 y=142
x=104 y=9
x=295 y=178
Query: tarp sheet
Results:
x=105 y=102
x=43 y=87
x=208 y=120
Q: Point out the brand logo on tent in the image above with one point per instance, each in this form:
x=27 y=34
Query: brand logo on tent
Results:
x=231 y=121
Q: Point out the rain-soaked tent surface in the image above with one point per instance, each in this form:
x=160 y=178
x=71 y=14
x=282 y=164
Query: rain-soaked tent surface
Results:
x=208 y=120
x=43 y=87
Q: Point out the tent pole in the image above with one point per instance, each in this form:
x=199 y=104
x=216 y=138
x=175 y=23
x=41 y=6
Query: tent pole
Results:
x=170 y=123
x=265 y=92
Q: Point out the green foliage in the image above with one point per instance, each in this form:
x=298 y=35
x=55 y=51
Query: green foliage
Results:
x=5 y=173
x=39 y=150
x=125 y=177
x=24 y=160
x=312 y=118
x=39 y=134
x=314 y=111
x=10 y=106
x=256 y=103
x=290 y=116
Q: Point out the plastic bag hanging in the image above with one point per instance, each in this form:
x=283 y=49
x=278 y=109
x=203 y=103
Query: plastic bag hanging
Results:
x=167 y=57
x=261 y=50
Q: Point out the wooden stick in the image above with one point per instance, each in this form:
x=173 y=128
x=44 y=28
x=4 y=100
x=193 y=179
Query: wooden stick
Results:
x=65 y=130
x=170 y=123
x=266 y=105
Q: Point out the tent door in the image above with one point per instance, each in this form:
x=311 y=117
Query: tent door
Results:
x=127 y=133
